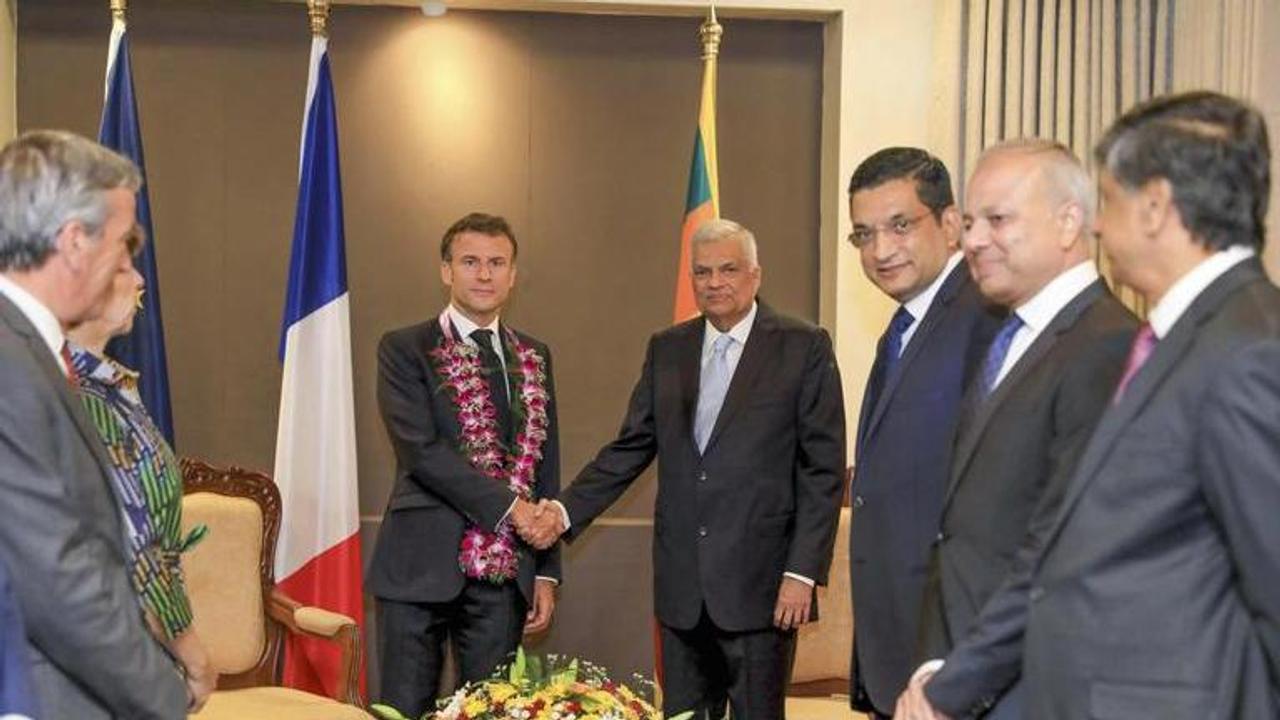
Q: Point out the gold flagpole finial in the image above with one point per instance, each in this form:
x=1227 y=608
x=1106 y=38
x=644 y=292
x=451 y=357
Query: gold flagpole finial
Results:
x=710 y=34
x=118 y=8
x=318 y=10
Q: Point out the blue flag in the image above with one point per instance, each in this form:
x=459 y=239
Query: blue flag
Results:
x=143 y=348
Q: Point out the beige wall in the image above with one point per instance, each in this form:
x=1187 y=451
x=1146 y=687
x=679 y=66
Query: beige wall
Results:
x=8 y=69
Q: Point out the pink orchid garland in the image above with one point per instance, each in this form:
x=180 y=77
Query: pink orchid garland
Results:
x=485 y=555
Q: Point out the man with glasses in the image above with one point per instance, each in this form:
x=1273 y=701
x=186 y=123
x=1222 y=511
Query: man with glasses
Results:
x=906 y=229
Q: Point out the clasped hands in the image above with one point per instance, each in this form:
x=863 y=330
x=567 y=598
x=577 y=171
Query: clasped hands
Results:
x=540 y=524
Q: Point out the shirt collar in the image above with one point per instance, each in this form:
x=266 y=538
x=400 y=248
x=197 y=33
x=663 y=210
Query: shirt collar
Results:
x=1045 y=305
x=1188 y=287
x=919 y=305
x=45 y=322
x=739 y=332
x=465 y=326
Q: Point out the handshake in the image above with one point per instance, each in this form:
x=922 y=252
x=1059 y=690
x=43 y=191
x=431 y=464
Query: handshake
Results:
x=540 y=525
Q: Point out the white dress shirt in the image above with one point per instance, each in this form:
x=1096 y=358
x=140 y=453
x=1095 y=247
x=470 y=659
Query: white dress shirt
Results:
x=41 y=317
x=919 y=305
x=1042 y=308
x=1182 y=293
x=739 y=332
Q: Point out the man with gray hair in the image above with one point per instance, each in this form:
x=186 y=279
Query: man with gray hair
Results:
x=1150 y=592
x=67 y=208
x=743 y=410
x=1047 y=376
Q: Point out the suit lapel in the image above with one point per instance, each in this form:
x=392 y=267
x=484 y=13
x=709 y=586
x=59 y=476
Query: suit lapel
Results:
x=58 y=382
x=972 y=431
x=1169 y=352
x=758 y=349
x=932 y=320
x=689 y=359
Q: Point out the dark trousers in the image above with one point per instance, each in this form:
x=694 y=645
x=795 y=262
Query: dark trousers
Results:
x=704 y=666
x=484 y=623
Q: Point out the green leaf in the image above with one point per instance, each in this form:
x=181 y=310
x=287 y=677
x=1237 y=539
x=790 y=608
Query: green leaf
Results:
x=534 y=671
x=518 y=667
x=682 y=716
x=567 y=675
x=386 y=712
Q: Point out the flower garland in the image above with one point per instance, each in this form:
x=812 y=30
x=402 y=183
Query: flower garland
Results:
x=485 y=555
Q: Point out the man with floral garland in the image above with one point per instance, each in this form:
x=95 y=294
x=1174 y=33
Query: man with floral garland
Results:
x=469 y=406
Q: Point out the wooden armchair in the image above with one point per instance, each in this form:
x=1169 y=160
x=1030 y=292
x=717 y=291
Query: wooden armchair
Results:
x=241 y=615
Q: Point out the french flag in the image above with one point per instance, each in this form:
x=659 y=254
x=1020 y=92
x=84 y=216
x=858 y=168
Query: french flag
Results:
x=318 y=556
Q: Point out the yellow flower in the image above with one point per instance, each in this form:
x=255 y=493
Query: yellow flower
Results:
x=475 y=706
x=500 y=692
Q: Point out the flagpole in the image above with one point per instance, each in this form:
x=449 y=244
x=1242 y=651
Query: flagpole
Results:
x=318 y=11
x=118 y=8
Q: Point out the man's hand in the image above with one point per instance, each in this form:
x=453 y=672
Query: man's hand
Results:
x=202 y=678
x=913 y=704
x=539 y=525
x=792 y=609
x=544 y=604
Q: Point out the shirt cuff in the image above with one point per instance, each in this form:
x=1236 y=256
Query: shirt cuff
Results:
x=801 y=578
x=551 y=580
x=507 y=514
x=564 y=514
x=927 y=670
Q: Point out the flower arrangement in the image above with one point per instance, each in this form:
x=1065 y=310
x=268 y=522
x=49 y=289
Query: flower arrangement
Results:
x=486 y=555
x=558 y=688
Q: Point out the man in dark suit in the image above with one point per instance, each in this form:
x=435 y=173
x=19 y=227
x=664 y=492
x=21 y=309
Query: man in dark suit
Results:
x=743 y=410
x=66 y=209
x=1047 y=377
x=1151 y=590
x=906 y=229
x=469 y=406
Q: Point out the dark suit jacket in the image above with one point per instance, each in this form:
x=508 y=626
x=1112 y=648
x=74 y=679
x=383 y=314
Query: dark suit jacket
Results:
x=899 y=478
x=91 y=655
x=1158 y=590
x=1008 y=450
x=763 y=499
x=437 y=491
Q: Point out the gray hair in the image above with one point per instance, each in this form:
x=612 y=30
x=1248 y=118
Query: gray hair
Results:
x=722 y=229
x=1065 y=177
x=49 y=178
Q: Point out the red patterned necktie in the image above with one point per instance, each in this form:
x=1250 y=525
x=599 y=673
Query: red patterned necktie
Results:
x=1143 y=343
x=70 y=367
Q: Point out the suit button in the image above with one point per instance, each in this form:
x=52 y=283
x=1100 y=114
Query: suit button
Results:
x=1036 y=593
x=702 y=476
x=940 y=538
x=702 y=532
x=858 y=501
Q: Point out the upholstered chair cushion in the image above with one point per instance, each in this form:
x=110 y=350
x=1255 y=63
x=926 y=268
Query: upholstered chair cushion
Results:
x=823 y=650
x=224 y=581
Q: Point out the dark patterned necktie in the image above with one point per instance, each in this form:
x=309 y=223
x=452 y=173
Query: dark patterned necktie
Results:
x=497 y=380
x=998 y=351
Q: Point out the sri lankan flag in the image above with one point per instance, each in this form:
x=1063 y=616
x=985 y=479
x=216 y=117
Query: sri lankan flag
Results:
x=702 y=203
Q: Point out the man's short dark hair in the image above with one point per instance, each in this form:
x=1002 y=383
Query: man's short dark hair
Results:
x=1214 y=152
x=933 y=182
x=483 y=223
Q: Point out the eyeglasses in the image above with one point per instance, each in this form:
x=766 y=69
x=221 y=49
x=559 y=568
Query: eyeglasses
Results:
x=900 y=227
